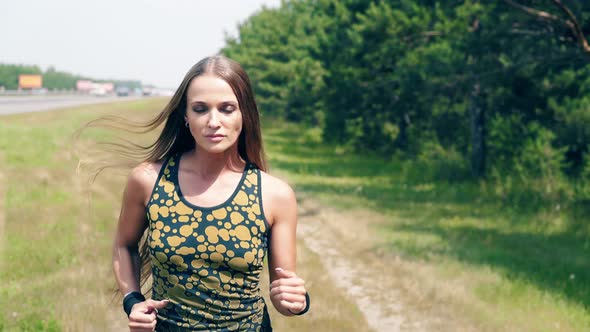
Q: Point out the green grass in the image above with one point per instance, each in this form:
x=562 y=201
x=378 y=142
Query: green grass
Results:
x=51 y=229
x=522 y=258
x=536 y=251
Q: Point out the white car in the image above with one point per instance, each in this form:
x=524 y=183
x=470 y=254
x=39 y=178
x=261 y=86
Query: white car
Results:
x=98 y=92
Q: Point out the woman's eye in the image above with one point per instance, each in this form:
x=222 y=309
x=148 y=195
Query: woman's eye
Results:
x=200 y=109
x=228 y=109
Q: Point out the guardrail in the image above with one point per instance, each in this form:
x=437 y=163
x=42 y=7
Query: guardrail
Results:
x=40 y=92
x=72 y=92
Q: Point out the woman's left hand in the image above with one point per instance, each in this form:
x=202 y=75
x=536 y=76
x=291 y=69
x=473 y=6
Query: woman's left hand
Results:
x=287 y=292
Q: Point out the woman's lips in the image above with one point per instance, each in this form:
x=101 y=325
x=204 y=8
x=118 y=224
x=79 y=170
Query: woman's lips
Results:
x=215 y=138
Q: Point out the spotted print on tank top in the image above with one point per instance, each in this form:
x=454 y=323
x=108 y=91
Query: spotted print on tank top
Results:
x=208 y=261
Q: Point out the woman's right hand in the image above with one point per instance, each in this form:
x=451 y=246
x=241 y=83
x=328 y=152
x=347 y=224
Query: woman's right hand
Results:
x=142 y=317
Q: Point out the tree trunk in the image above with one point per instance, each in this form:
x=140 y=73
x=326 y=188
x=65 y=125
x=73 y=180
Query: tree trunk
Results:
x=476 y=109
x=402 y=138
x=477 y=117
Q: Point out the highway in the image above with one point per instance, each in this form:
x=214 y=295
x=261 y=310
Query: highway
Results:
x=25 y=104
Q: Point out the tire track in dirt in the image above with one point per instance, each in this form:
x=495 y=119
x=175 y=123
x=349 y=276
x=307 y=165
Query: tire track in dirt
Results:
x=337 y=249
x=393 y=294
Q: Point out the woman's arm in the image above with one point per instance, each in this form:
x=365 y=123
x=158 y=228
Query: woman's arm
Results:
x=126 y=260
x=287 y=290
x=131 y=225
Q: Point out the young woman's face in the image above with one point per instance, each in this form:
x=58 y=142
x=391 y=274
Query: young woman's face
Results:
x=213 y=114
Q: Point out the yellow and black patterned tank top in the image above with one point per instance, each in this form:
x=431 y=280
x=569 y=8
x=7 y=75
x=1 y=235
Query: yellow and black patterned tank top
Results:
x=208 y=261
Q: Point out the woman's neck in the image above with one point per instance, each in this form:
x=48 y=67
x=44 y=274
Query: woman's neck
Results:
x=208 y=165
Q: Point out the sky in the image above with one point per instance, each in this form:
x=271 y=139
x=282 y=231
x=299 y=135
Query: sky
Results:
x=154 y=41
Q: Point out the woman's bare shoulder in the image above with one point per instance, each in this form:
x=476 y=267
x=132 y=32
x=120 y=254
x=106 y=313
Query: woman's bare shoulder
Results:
x=146 y=171
x=278 y=200
x=143 y=177
x=276 y=189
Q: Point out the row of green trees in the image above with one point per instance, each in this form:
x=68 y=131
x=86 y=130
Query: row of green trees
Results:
x=501 y=87
x=52 y=78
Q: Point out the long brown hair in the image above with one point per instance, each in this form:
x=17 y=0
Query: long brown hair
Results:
x=176 y=138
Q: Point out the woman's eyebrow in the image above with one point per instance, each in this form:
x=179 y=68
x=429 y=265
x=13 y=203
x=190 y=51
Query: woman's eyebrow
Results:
x=225 y=102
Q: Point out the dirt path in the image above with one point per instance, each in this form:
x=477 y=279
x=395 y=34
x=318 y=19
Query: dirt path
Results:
x=339 y=250
x=393 y=294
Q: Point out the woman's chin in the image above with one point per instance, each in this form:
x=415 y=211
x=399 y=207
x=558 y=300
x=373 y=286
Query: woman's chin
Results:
x=215 y=148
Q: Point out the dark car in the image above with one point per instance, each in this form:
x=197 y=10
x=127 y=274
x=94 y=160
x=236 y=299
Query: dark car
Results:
x=122 y=91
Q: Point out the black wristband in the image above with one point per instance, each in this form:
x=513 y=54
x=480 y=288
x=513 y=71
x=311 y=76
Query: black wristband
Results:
x=306 y=306
x=130 y=300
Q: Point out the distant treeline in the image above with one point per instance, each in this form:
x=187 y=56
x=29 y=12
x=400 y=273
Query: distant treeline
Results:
x=52 y=78
x=484 y=88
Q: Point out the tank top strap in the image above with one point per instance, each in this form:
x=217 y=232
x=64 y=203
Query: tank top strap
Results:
x=171 y=172
x=165 y=182
x=252 y=186
x=252 y=178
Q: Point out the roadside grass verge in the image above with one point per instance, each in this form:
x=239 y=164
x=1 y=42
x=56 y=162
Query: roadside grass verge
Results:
x=58 y=228
x=56 y=237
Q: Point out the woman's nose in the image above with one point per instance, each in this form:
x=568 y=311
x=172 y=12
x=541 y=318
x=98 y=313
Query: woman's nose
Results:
x=213 y=119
